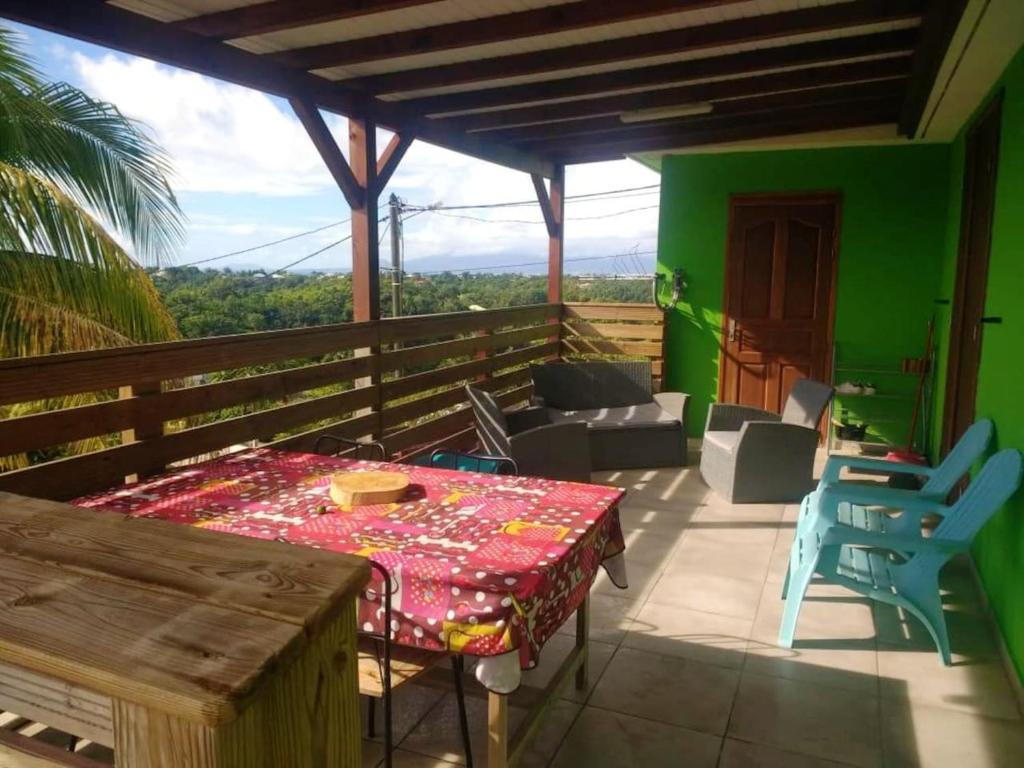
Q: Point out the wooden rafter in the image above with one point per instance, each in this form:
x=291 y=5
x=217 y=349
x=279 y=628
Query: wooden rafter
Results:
x=739 y=31
x=98 y=22
x=811 y=77
x=937 y=29
x=745 y=63
x=808 y=120
x=611 y=127
x=276 y=15
x=320 y=134
x=391 y=157
x=507 y=26
x=554 y=226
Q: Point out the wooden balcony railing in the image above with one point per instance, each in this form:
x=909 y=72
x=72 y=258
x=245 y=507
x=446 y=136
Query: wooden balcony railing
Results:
x=142 y=408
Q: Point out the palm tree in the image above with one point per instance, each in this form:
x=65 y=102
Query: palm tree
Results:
x=76 y=178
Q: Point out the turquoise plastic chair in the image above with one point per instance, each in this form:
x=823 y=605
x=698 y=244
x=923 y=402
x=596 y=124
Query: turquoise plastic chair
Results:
x=852 y=502
x=901 y=569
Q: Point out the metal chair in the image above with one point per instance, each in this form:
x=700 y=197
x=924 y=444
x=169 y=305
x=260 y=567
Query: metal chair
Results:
x=447 y=458
x=357 y=446
x=384 y=667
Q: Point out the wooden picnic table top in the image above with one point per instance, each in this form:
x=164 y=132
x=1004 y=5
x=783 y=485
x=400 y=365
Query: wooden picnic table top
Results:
x=172 y=617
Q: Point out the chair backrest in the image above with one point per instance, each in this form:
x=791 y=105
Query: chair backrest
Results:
x=997 y=481
x=806 y=402
x=958 y=461
x=590 y=384
x=448 y=458
x=491 y=425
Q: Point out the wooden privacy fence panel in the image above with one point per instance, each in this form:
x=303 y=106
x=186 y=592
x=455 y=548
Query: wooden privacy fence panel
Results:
x=596 y=331
x=84 y=421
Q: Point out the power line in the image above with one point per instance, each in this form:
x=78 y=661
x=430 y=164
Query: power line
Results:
x=265 y=245
x=514 y=203
x=467 y=217
x=530 y=263
x=309 y=256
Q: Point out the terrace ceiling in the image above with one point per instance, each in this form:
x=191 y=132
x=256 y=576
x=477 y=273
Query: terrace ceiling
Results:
x=535 y=83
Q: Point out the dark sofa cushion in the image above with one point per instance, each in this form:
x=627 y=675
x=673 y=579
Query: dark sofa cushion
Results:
x=584 y=386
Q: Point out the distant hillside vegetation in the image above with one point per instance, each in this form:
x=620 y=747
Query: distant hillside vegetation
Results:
x=214 y=303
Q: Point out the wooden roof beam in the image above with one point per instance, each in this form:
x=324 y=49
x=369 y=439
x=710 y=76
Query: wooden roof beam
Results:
x=771 y=26
x=98 y=22
x=276 y=15
x=320 y=134
x=612 y=128
x=480 y=31
x=796 y=79
x=937 y=30
x=796 y=122
x=678 y=72
x=392 y=155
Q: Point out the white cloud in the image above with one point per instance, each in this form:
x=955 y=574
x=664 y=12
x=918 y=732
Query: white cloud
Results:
x=221 y=137
x=228 y=139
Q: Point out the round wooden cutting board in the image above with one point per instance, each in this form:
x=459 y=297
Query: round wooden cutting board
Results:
x=354 y=489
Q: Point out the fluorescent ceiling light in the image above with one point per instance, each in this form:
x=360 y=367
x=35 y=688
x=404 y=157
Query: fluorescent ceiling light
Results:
x=663 y=113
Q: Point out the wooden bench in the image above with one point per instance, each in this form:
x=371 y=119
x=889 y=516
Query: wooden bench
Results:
x=173 y=645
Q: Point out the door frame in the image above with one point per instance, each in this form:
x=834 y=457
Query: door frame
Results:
x=823 y=197
x=957 y=324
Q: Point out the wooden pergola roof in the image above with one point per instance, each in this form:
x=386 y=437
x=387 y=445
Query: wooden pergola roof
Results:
x=535 y=84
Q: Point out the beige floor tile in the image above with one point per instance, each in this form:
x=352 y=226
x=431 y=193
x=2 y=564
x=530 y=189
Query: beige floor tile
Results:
x=835 y=640
x=717 y=554
x=549 y=737
x=409 y=704
x=764 y=516
x=602 y=739
x=705 y=637
x=669 y=485
x=930 y=737
x=552 y=656
x=708 y=592
x=971 y=635
x=816 y=720
x=438 y=735
x=373 y=756
x=642 y=579
x=973 y=686
x=668 y=689
x=666 y=518
x=610 y=618
x=744 y=754
x=650 y=547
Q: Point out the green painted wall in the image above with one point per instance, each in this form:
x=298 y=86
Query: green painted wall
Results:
x=891 y=250
x=999 y=550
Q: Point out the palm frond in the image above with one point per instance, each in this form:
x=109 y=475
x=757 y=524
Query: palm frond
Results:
x=102 y=159
x=51 y=305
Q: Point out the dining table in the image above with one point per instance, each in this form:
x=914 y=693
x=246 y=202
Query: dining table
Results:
x=484 y=565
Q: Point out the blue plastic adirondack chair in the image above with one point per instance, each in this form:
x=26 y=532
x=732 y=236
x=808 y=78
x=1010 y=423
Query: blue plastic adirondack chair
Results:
x=901 y=569
x=852 y=503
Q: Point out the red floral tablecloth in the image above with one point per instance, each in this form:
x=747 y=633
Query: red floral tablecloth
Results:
x=480 y=564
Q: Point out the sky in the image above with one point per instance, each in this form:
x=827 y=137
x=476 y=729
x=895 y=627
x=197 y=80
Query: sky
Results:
x=247 y=174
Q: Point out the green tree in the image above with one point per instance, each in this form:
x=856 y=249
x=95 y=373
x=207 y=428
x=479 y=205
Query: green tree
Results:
x=76 y=178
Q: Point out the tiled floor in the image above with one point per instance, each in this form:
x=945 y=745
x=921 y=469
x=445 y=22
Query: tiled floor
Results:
x=685 y=670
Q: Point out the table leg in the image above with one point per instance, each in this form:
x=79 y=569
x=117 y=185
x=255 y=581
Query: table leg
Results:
x=497 y=730
x=582 y=637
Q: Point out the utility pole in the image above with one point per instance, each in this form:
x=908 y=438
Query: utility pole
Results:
x=395 y=206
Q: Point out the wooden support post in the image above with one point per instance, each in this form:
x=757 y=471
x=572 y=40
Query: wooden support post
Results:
x=582 y=643
x=362 y=145
x=556 y=238
x=497 y=730
x=146 y=427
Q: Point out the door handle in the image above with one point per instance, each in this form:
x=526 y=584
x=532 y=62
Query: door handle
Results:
x=733 y=330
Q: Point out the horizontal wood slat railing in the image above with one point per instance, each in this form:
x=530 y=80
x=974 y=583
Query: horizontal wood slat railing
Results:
x=595 y=331
x=133 y=411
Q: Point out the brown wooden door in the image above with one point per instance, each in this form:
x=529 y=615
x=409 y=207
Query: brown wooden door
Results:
x=779 y=292
x=979 y=193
